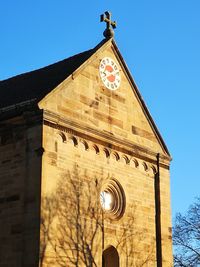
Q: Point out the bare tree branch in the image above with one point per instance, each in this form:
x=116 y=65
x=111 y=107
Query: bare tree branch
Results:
x=73 y=226
x=186 y=237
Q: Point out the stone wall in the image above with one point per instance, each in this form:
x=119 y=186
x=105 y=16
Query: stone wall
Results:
x=109 y=134
x=66 y=149
x=20 y=173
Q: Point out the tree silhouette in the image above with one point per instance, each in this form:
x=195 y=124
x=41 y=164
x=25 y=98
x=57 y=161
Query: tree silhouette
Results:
x=79 y=220
x=74 y=226
x=48 y=214
x=129 y=240
x=186 y=237
x=71 y=222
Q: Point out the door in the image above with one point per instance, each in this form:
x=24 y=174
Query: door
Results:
x=110 y=257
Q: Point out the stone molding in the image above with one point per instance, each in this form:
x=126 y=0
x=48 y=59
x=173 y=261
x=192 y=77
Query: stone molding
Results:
x=106 y=152
x=108 y=141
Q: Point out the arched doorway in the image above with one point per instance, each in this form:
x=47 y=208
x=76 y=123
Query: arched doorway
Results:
x=110 y=257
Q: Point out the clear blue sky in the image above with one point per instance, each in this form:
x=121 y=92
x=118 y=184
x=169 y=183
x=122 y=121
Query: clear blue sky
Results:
x=160 y=42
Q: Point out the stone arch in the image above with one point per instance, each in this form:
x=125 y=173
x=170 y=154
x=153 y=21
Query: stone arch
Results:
x=63 y=136
x=60 y=138
x=126 y=159
x=74 y=140
x=135 y=163
x=110 y=257
x=145 y=166
x=96 y=149
x=85 y=144
x=153 y=169
x=116 y=156
x=106 y=152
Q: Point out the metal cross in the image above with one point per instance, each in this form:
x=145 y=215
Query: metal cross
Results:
x=108 y=33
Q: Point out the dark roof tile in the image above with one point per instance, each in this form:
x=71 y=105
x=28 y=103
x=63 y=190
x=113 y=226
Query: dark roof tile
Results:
x=36 y=84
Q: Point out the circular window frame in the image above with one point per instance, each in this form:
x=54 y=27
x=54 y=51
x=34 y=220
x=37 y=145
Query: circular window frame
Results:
x=114 y=188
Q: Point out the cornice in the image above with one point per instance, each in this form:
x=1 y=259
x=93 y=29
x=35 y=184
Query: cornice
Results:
x=108 y=140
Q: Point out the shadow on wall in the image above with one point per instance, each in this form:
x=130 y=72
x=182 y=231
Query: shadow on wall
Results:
x=74 y=226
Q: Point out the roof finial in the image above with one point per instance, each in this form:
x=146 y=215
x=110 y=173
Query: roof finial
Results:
x=108 y=33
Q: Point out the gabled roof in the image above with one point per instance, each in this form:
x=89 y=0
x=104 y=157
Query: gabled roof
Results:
x=36 y=84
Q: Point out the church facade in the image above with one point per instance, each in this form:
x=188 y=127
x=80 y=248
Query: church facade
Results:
x=84 y=171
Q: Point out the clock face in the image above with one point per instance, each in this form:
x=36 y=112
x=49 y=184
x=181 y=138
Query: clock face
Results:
x=109 y=73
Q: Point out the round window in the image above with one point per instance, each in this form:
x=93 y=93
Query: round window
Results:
x=112 y=199
x=107 y=200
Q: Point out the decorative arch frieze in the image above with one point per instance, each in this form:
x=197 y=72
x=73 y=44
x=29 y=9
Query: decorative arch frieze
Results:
x=69 y=137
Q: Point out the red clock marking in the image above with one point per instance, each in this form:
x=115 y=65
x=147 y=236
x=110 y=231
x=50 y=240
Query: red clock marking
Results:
x=111 y=78
x=109 y=70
